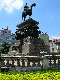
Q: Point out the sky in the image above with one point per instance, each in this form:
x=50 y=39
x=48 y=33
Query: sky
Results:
x=46 y=12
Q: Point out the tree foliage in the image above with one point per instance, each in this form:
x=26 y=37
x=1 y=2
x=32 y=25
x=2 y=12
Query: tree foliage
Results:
x=27 y=31
x=5 y=48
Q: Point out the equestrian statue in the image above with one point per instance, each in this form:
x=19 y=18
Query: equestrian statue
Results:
x=27 y=11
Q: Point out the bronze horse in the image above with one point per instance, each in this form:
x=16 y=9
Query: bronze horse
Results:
x=27 y=10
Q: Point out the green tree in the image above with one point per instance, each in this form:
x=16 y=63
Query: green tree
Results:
x=5 y=48
x=29 y=30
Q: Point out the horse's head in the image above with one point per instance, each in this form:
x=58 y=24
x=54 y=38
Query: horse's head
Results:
x=33 y=5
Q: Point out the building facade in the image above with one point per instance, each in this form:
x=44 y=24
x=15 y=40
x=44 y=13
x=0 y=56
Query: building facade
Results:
x=45 y=37
x=6 y=36
x=54 y=45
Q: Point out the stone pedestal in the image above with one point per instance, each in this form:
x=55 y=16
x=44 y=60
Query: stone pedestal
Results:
x=45 y=63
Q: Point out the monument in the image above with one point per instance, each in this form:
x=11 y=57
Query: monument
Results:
x=28 y=34
x=25 y=53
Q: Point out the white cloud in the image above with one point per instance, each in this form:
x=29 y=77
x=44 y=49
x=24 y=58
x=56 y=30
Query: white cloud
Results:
x=10 y=5
x=54 y=37
x=1 y=4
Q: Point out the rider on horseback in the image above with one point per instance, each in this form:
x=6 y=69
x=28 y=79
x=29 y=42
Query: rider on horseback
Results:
x=26 y=8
